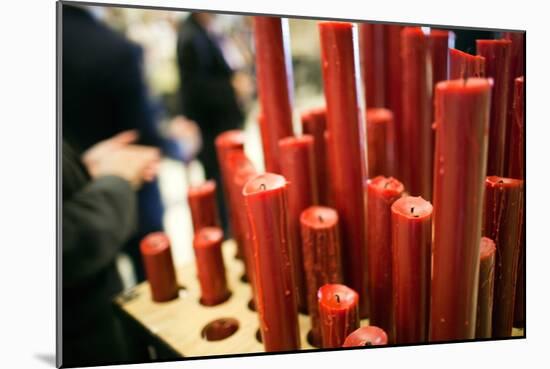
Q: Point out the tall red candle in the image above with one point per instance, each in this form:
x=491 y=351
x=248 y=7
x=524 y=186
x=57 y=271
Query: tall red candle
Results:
x=485 y=293
x=516 y=147
x=202 y=203
x=339 y=313
x=411 y=267
x=322 y=259
x=347 y=148
x=371 y=41
x=266 y=205
x=274 y=79
x=461 y=123
x=366 y=336
x=497 y=66
x=382 y=192
x=207 y=245
x=440 y=41
x=381 y=142
x=503 y=224
x=298 y=167
x=314 y=122
x=416 y=131
x=464 y=65
x=159 y=266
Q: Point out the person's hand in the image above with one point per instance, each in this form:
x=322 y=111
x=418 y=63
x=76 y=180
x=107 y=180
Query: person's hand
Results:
x=96 y=153
x=188 y=135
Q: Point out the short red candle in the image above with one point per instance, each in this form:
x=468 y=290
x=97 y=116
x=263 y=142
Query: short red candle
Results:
x=159 y=266
x=464 y=65
x=314 y=122
x=296 y=156
x=267 y=209
x=417 y=159
x=338 y=312
x=411 y=268
x=503 y=224
x=497 y=66
x=322 y=259
x=347 y=148
x=381 y=142
x=516 y=148
x=366 y=336
x=371 y=41
x=207 y=245
x=485 y=293
x=382 y=192
x=274 y=80
x=202 y=203
x=461 y=123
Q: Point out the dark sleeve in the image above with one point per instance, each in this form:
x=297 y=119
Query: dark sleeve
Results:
x=97 y=220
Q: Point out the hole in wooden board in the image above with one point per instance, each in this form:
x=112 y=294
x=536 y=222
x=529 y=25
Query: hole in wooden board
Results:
x=259 y=336
x=251 y=305
x=220 y=329
x=312 y=341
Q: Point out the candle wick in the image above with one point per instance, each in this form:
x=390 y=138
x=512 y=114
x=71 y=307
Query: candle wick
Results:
x=367 y=343
x=262 y=187
x=501 y=181
x=337 y=298
x=321 y=218
x=412 y=210
x=387 y=184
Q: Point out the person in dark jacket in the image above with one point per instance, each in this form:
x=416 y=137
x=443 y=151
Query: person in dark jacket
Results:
x=99 y=214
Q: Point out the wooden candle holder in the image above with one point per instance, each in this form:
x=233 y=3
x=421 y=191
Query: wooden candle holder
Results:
x=179 y=323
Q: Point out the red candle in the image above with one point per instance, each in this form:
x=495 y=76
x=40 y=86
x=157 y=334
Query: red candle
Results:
x=371 y=41
x=266 y=205
x=486 y=288
x=298 y=167
x=416 y=131
x=381 y=142
x=314 y=122
x=464 y=65
x=503 y=224
x=366 y=336
x=202 y=203
x=440 y=42
x=347 y=148
x=274 y=79
x=159 y=266
x=516 y=148
x=497 y=66
x=338 y=312
x=382 y=192
x=207 y=245
x=322 y=259
x=411 y=267
x=461 y=123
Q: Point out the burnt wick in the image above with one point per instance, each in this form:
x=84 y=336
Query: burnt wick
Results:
x=367 y=343
x=262 y=187
x=500 y=181
x=386 y=185
x=321 y=218
x=412 y=210
x=337 y=298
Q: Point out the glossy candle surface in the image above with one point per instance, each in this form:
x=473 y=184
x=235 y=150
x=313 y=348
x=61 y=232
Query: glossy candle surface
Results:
x=339 y=314
x=314 y=123
x=347 y=148
x=382 y=192
x=497 y=66
x=273 y=76
x=485 y=293
x=267 y=209
x=298 y=167
x=461 y=123
x=322 y=259
x=371 y=41
x=159 y=266
x=381 y=142
x=366 y=336
x=516 y=147
x=417 y=134
x=207 y=245
x=503 y=224
x=439 y=53
x=464 y=65
x=411 y=268
x=203 y=207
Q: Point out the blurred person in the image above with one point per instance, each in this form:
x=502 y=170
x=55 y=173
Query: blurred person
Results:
x=104 y=93
x=210 y=89
x=99 y=215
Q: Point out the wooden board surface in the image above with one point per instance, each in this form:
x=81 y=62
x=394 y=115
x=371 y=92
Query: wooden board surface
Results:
x=179 y=323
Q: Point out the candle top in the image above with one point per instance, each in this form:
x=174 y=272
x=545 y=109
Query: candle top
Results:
x=379 y=116
x=498 y=42
x=412 y=207
x=208 y=237
x=487 y=248
x=366 y=336
x=440 y=33
x=337 y=297
x=319 y=111
x=264 y=184
x=464 y=55
x=203 y=189
x=501 y=182
x=464 y=86
x=302 y=142
x=412 y=32
x=232 y=139
x=388 y=187
x=319 y=217
x=154 y=243
x=335 y=25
